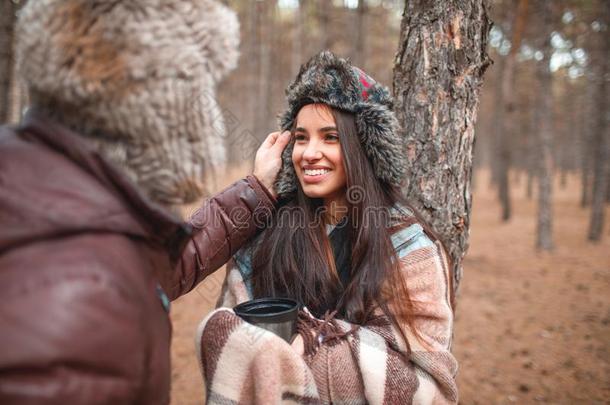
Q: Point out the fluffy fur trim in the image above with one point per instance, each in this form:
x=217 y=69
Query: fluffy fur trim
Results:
x=331 y=80
x=138 y=78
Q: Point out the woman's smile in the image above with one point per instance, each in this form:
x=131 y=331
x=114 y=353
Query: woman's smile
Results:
x=315 y=174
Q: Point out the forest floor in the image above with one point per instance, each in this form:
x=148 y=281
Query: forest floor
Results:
x=530 y=327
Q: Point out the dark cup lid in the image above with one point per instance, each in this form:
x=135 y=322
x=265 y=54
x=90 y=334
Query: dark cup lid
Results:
x=268 y=310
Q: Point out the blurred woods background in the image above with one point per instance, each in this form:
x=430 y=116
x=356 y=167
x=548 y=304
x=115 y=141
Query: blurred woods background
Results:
x=544 y=110
x=533 y=318
x=544 y=103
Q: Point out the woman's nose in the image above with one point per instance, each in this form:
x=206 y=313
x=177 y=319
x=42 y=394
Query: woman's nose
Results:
x=312 y=152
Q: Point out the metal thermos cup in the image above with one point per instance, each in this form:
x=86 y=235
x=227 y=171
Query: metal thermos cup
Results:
x=277 y=315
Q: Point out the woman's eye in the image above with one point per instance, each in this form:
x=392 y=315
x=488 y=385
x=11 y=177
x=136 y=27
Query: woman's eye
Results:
x=332 y=137
x=300 y=137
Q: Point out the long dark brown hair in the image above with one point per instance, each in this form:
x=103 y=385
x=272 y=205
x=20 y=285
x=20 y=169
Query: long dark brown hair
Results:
x=293 y=257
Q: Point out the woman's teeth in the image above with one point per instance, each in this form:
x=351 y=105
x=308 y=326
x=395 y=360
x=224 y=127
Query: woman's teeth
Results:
x=316 y=172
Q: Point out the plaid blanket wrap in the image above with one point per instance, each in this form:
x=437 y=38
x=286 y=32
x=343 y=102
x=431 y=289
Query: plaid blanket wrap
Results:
x=343 y=363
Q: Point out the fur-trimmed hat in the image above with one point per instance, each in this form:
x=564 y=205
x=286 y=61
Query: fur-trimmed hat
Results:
x=334 y=81
x=138 y=79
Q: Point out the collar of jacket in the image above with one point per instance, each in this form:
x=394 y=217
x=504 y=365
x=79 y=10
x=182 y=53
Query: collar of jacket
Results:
x=160 y=225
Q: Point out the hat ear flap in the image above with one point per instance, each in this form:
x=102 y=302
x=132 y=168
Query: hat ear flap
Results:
x=286 y=183
x=380 y=137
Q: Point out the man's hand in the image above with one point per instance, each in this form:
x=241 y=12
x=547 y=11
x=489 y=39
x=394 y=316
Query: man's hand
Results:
x=268 y=160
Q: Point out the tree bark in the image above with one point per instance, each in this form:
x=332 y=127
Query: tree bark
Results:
x=601 y=131
x=438 y=73
x=544 y=235
x=7 y=24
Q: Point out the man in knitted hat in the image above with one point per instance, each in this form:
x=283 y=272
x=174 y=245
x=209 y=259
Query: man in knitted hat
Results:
x=122 y=131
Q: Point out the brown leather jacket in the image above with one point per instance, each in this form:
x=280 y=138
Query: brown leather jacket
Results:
x=84 y=264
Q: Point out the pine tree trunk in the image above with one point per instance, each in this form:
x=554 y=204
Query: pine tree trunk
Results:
x=589 y=108
x=253 y=61
x=571 y=140
x=544 y=235
x=7 y=24
x=263 y=92
x=503 y=181
x=563 y=178
x=531 y=150
x=585 y=196
x=601 y=140
x=506 y=126
x=324 y=10
x=529 y=192
x=438 y=72
x=498 y=116
x=360 y=28
x=297 y=38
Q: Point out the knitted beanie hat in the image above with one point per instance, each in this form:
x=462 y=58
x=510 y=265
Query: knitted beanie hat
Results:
x=138 y=79
x=334 y=81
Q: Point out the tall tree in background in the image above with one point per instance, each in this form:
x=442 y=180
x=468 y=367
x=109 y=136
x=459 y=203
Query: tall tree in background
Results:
x=297 y=36
x=438 y=72
x=507 y=121
x=600 y=56
x=544 y=240
x=324 y=9
x=265 y=11
x=8 y=10
x=531 y=155
x=498 y=116
x=360 y=28
x=588 y=110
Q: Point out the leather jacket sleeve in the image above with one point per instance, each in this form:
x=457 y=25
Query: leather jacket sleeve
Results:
x=221 y=226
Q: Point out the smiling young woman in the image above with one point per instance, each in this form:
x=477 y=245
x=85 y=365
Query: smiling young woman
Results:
x=317 y=157
x=378 y=322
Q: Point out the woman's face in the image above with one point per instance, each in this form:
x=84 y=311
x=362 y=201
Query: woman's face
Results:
x=317 y=156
